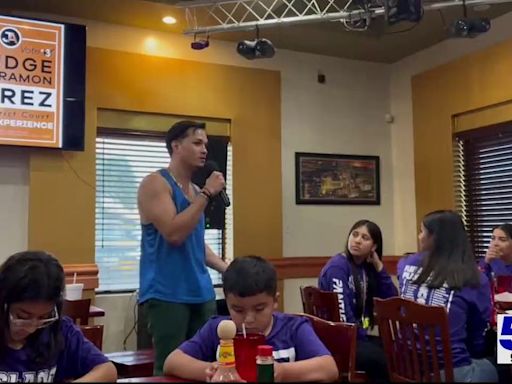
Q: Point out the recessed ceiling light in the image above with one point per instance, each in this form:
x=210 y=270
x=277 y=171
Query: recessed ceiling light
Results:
x=169 y=20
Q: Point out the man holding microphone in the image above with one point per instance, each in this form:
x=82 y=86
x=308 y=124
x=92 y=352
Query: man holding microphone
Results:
x=175 y=286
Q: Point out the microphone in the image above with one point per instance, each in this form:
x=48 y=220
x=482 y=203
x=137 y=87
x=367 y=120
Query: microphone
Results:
x=210 y=167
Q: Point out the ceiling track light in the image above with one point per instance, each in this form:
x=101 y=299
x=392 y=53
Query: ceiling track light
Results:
x=257 y=48
x=199 y=44
x=469 y=28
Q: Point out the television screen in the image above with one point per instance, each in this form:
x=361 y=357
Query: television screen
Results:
x=42 y=83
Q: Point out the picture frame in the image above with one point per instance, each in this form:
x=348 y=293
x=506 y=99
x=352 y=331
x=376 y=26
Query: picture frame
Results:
x=337 y=179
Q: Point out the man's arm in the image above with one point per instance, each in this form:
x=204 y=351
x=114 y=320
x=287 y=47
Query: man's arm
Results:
x=214 y=261
x=157 y=207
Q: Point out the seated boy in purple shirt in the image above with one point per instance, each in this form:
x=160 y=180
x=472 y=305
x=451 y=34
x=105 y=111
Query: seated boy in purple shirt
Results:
x=250 y=288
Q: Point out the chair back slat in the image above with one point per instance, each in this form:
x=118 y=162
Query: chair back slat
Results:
x=407 y=350
x=93 y=333
x=423 y=349
x=77 y=310
x=433 y=355
x=412 y=333
x=319 y=303
x=415 y=367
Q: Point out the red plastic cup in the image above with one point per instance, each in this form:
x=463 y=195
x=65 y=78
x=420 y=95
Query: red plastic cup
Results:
x=246 y=350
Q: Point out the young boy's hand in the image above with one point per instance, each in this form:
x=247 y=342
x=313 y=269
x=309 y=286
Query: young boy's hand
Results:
x=210 y=371
x=278 y=372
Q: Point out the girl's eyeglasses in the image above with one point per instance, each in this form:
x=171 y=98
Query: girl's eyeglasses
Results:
x=34 y=323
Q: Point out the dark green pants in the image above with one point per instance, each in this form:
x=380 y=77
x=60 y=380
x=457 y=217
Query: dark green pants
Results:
x=170 y=324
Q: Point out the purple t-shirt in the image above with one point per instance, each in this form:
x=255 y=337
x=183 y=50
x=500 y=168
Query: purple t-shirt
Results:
x=496 y=267
x=78 y=357
x=292 y=338
x=336 y=276
x=469 y=309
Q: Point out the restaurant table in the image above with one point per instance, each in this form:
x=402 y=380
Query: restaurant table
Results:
x=154 y=379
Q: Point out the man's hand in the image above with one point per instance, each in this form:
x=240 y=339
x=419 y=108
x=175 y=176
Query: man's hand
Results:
x=215 y=183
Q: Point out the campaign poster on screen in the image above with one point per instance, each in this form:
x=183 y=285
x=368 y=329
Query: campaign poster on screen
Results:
x=31 y=80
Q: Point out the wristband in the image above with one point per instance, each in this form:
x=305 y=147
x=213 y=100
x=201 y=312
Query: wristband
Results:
x=205 y=195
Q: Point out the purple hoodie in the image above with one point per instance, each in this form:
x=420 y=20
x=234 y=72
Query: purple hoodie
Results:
x=496 y=267
x=336 y=276
x=469 y=309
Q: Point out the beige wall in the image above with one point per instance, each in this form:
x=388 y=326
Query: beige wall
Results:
x=13 y=200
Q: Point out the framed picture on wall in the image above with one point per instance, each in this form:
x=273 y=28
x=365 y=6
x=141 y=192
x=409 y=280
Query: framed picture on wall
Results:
x=336 y=179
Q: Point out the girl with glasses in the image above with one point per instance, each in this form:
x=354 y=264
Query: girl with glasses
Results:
x=36 y=344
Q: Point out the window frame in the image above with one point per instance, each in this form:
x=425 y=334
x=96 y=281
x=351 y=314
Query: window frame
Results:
x=132 y=134
x=465 y=154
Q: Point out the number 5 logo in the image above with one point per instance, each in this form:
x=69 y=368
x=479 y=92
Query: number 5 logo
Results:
x=504 y=342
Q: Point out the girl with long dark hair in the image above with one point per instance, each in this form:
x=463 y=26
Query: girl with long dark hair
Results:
x=36 y=343
x=445 y=273
x=357 y=276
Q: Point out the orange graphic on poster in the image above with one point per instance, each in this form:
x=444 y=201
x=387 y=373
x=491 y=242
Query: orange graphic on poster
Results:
x=31 y=61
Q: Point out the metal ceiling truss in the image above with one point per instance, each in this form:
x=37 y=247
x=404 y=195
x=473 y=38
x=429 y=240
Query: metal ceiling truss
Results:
x=215 y=16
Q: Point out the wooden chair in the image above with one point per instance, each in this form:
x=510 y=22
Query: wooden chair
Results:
x=340 y=339
x=324 y=305
x=413 y=335
x=93 y=333
x=77 y=310
x=319 y=303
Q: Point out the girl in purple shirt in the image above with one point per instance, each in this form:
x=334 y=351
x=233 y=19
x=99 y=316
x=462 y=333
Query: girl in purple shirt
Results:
x=36 y=344
x=498 y=258
x=357 y=276
x=445 y=274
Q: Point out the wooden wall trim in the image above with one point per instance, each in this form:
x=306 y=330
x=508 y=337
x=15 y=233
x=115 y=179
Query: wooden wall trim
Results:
x=287 y=268
x=85 y=273
x=302 y=267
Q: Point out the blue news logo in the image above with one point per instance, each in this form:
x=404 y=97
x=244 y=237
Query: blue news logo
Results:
x=504 y=340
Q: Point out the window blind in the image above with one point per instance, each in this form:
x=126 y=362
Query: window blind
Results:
x=122 y=161
x=483 y=181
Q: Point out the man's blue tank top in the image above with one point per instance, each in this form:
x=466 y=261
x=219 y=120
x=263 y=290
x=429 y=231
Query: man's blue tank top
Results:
x=170 y=273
